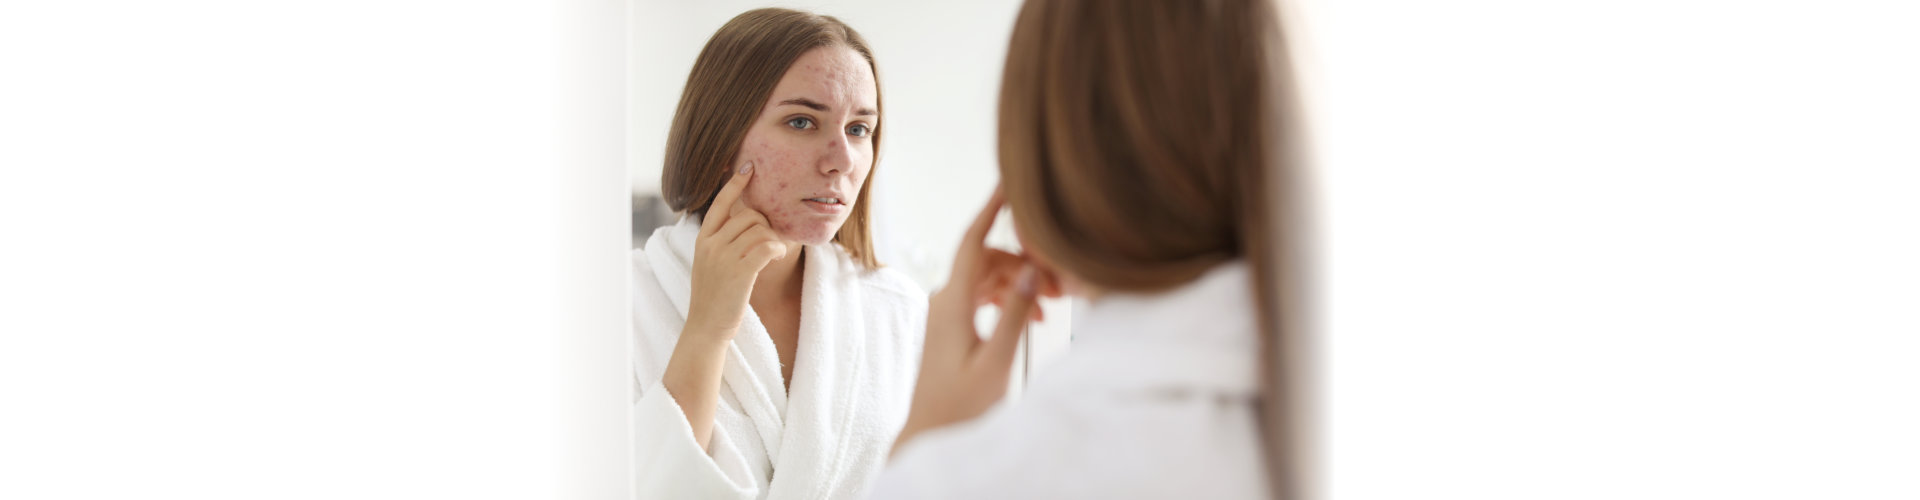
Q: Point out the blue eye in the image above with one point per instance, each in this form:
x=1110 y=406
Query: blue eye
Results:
x=859 y=130
x=800 y=123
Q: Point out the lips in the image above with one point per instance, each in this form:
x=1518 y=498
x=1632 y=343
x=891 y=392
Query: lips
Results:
x=826 y=204
x=826 y=198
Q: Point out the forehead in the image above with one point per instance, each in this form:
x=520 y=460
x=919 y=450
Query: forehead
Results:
x=836 y=76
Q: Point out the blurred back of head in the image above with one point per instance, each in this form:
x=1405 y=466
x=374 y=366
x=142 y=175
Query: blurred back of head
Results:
x=1141 y=143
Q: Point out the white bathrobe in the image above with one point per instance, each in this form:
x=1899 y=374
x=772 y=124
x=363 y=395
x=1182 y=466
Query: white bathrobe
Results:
x=853 y=377
x=1155 y=400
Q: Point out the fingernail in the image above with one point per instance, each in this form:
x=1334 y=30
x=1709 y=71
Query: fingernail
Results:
x=748 y=167
x=1027 y=281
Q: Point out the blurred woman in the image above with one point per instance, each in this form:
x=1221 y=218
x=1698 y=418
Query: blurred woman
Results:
x=773 y=356
x=1143 y=159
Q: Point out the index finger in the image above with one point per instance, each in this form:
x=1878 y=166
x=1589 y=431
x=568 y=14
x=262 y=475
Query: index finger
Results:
x=724 y=201
x=976 y=238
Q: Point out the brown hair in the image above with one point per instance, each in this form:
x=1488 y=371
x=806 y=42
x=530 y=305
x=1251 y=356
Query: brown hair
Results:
x=1144 y=142
x=730 y=83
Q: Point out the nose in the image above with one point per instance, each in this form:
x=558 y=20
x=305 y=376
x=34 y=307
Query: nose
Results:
x=839 y=157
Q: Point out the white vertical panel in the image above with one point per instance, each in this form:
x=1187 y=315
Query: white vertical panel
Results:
x=593 y=335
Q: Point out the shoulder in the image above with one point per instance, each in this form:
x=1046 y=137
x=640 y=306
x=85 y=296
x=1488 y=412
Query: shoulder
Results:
x=669 y=246
x=893 y=298
x=638 y=258
x=643 y=281
x=639 y=263
x=1013 y=448
x=890 y=282
x=1087 y=446
x=882 y=284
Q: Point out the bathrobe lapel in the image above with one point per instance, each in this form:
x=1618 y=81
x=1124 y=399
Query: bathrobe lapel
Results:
x=840 y=415
x=827 y=370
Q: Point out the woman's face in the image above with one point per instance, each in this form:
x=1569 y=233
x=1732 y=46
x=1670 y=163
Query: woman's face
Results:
x=812 y=145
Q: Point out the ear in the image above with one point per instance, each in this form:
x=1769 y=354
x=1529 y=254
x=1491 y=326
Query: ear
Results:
x=1051 y=283
x=1049 y=279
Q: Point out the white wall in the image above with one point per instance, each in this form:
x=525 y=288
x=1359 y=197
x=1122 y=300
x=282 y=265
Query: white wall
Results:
x=1639 y=249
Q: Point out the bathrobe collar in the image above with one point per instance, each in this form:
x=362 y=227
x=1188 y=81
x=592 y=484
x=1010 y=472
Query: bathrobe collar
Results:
x=826 y=361
x=1195 y=337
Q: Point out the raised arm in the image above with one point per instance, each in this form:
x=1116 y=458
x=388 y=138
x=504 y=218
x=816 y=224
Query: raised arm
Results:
x=735 y=243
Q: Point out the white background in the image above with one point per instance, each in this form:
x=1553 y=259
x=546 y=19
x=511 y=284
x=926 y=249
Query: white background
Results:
x=1631 y=249
x=1640 y=249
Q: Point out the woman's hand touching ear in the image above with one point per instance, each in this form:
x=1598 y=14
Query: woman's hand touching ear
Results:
x=960 y=375
x=1000 y=272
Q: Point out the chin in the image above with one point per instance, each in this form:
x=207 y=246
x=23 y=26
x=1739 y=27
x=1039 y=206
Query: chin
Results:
x=809 y=234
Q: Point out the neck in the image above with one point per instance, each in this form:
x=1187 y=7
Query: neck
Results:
x=780 y=280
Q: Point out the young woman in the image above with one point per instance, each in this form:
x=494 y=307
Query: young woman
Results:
x=773 y=356
x=1143 y=161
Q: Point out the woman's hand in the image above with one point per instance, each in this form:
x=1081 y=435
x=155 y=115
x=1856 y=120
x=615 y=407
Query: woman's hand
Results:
x=734 y=245
x=960 y=375
x=1000 y=272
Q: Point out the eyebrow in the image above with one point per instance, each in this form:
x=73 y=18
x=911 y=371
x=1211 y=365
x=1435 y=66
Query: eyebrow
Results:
x=816 y=106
